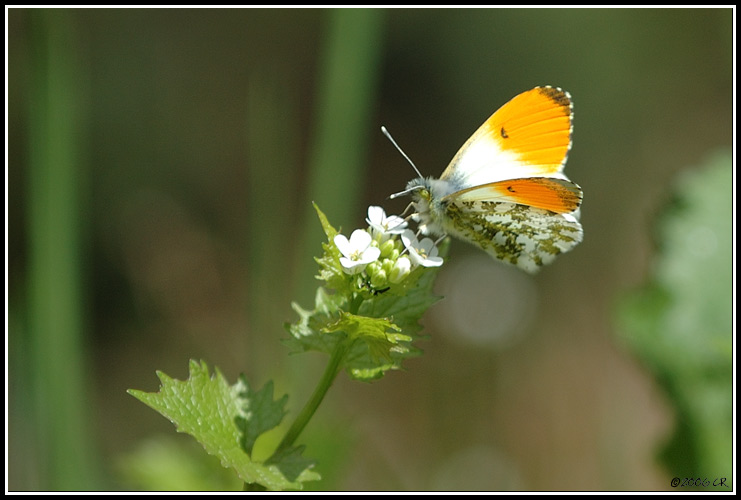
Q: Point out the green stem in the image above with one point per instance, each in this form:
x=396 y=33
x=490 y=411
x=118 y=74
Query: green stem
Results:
x=330 y=373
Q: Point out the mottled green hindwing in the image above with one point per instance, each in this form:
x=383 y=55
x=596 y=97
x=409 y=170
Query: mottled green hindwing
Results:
x=525 y=236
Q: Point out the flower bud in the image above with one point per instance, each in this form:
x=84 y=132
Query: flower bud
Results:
x=379 y=279
x=387 y=247
x=401 y=270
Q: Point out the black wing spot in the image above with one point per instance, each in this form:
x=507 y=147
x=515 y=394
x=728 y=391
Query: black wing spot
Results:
x=510 y=189
x=504 y=133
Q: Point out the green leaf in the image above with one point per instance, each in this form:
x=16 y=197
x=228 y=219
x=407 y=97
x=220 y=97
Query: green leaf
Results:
x=680 y=322
x=387 y=330
x=306 y=332
x=290 y=462
x=330 y=269
x=210 y=410
x=262 y=412
x=406 y=309
x=326 y=226
x=379 y=334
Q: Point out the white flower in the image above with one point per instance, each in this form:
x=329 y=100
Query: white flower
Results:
x=401 y=269
x=382 y=225
x=422 y=253
x=357 y=252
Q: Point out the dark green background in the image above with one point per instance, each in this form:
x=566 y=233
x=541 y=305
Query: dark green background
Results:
x=161 y=165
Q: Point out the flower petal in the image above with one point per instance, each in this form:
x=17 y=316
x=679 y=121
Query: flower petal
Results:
x=395 y=224
x=371 y=254
x=434 y=261
x=343 y=245
x=360 y=239
x=376 y=216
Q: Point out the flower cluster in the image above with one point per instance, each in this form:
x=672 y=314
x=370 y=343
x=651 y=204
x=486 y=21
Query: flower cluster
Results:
x=386 y=252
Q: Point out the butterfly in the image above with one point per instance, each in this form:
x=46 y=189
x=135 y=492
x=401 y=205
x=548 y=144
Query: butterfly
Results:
x=505 y=191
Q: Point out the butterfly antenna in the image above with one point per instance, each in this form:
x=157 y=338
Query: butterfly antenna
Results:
x=386 y=133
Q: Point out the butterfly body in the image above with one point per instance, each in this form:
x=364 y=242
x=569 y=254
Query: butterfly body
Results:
x=504 y=191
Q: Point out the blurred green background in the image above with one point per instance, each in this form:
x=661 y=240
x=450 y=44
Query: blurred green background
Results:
x=161 y=168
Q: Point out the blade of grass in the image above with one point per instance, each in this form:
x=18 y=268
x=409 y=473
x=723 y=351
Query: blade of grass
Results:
x=55 y=301
x=348 y=78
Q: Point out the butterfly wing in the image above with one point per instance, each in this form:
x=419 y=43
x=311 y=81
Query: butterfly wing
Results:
x=530 y=136
x=523 y=235
x=560 y=196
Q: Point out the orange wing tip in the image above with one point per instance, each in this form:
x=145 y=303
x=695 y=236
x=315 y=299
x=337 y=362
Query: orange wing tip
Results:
x=535 y=126
x=558 y=96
